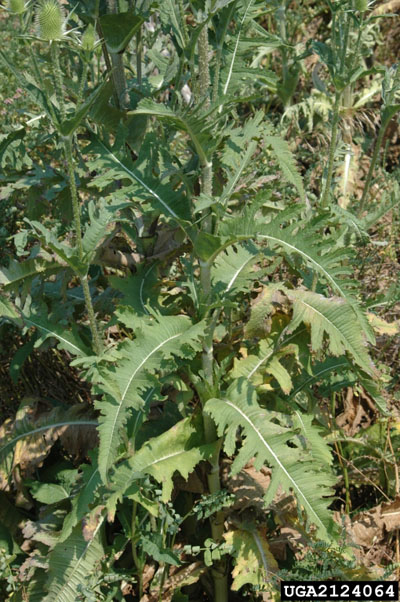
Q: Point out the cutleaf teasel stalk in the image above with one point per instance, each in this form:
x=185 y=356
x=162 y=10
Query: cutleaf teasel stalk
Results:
x=51 y=27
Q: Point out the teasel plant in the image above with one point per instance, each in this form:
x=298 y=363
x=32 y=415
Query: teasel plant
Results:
x=224 y=329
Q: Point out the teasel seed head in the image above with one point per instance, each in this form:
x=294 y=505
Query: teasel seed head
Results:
x=50 y=20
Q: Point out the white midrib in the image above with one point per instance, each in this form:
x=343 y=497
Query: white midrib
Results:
x=262 y=360
x=137 y=179
x=80 y=560
x=145 y=360
x=134 y=373
x=306 y=256
x=54 y=334
x=228 y=80
x=279 y=463
x=47 y=427
x=316 y=375
x=236 y=274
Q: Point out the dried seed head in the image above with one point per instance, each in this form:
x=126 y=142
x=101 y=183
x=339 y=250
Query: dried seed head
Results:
x=50 y=20
x=17 y=7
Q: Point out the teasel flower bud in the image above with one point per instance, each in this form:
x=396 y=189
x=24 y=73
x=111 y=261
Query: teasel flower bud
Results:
x=361 y=5
x=16 y=7
x=88 y=41
x=50 y=20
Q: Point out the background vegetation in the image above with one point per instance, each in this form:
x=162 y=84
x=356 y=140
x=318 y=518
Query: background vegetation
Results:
x=199 y=297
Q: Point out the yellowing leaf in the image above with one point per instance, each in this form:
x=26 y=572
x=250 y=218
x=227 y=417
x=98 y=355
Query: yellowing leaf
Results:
x=254 y=561
x=380 y=325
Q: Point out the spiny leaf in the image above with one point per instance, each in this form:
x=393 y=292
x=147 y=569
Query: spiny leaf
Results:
x=22 y=273
x=179 y=449
x=194 y=124
x=232 y=270
x=265 y=361
x=71 y=562
x=101 y=214
x=334 y=317
x=305 y=242
x=171 y=202
x=152 y=351
x=293 y=468
x=118 y=30
x=139 y=289
x=286 y=162
x=91 y=481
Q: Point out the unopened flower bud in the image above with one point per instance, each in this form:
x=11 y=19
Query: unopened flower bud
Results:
x=361 y=5
x=88 y=38
x=17 y=7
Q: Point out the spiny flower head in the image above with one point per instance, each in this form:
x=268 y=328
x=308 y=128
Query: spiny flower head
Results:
x=50 y=20
x=17 y=7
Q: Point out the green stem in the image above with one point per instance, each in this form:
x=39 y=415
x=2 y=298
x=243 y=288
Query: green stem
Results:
x=58 y=81
x=136 y=560
x=204 y=73
x=338 y=445
x=82 y=83
x=219 y=570
x=215 y=91
x=332 y=149
x=183 y=22
x=139 y=50
x=371 y=169
x=107 y=61
x=67 y=143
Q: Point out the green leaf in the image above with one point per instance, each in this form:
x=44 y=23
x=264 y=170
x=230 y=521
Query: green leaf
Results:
x=265 y=361
x=293 y=468
x=335 y=317
x=286 y=162
x=119 y=29
x=305 y=242
x=179 y=449
x=25 y=81
x=22 y=273
x=68 y=127
x=18 y=134
x=67 y=339
x=57 y=420
x=170 y=202
x=311 y=437
x=62 y=250
x=139 y=290
x=154 y=548
x=320 y=372
x=206 y=245
x=71 y=562
x=154 y=348
x=233 y=269
x=83 y=499
x=192 y=122
x=8 y=309
x=48 y=493
x=101 y=215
